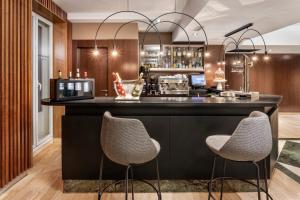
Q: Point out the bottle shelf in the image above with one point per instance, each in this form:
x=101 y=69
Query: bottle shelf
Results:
x=175 y=70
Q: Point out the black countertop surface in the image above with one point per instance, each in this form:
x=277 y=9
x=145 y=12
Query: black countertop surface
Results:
x=264 y=100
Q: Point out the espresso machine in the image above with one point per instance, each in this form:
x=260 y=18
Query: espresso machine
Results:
x=173 y=85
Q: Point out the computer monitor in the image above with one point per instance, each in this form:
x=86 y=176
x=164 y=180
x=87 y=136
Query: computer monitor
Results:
x=198 y=80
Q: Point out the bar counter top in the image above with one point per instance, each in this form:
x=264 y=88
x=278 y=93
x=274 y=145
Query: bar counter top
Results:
x=266 y=100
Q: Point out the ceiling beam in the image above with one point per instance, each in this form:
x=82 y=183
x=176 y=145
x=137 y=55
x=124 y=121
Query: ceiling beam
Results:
x=192 y=7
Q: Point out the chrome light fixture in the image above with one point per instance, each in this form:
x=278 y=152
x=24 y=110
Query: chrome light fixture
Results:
x=151 y=25
x=96 y=51
x=206 y=52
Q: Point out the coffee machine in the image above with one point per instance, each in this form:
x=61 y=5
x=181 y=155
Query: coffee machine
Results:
x=173 y=85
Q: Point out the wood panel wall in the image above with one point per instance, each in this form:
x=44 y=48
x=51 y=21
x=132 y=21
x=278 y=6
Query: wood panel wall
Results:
x=211 y=64
x=126 y=63
x=15 y=89
x=49 y=10
x=280 y=76
x=60 y=62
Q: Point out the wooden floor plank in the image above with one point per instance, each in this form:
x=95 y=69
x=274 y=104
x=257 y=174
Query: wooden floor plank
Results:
x=44 y=182
x=44 y=179
x=289 y=125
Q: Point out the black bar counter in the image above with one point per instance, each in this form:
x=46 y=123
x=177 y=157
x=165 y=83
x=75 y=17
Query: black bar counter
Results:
x=179 y=124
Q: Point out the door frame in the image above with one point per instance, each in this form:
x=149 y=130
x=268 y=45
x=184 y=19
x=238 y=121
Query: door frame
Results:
x=36 y=145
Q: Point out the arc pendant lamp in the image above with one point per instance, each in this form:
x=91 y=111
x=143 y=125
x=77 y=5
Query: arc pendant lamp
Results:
x=248 y=29
x=113 y=14
x=266 y=56
x=120 y=27
x=239 y=50
x=223 y=47
x=166 y=21
x=254 y=57
x=207 y=53
x=151 y=25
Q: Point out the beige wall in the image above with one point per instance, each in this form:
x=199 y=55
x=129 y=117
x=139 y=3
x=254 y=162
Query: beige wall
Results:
x=87 y=31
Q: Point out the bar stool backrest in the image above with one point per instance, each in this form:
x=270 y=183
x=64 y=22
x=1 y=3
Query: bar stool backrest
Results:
x=251 y=140
x=125 y=141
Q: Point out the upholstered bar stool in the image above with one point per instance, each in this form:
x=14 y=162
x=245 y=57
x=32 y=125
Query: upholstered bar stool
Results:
x=126 y=142
x=250 y=142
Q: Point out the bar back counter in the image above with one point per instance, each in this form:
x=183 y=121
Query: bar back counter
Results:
x=179 y=124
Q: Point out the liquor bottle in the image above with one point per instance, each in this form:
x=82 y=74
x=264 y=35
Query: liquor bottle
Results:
x=61 y=85
x=59 y=74
x=137 y=86
x=85 y=75
x=184 y=52
x=70 y=75
x=77 y=73
x=199 y=54
x=178 y=53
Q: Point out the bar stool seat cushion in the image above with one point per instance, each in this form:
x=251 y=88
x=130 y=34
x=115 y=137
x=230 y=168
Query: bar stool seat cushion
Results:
x=216 y=142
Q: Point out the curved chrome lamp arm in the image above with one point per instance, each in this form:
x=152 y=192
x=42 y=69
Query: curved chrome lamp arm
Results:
x=180 y=13
x=153 y=26
x=253 y=45
x=166 y=21
x=232 y=42
x=125 y=11
x=240 y=38
x=225 y=47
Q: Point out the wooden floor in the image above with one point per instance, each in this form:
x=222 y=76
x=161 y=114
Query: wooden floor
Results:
x=289 y=125
x=44 y=179
x=44 y=182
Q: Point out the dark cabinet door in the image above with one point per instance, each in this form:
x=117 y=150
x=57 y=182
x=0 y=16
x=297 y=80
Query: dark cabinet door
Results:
x=81 y=149
x=190 y=156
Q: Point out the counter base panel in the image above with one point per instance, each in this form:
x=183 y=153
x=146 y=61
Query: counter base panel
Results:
x=181 y=133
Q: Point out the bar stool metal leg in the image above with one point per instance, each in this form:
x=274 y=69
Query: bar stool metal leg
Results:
x=126 y=182
x=132 y=192
x=100 y=178
x=257 y=180
x=211 y=179
x=222 y=179
x=158 y=179
x=266 y=179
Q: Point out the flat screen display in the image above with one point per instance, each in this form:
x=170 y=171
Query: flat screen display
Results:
x=198 y=80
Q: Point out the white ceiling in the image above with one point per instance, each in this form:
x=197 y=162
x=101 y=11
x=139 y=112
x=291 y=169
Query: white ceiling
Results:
x=217 y=16
x=288 y=35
